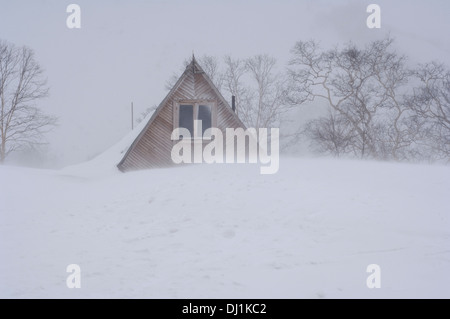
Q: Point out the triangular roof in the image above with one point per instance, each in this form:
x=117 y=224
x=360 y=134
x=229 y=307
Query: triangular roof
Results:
x=192 y=68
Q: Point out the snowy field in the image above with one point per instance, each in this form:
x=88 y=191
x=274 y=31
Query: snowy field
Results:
x=226 y=231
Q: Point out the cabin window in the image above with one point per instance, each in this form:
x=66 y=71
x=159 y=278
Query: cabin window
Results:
x=186 y=116
x=186 y=113
x=204 y=115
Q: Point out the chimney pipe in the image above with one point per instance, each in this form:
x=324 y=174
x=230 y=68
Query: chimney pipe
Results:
x=233 y=103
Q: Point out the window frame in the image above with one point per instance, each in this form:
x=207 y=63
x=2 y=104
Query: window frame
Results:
x=195 y=104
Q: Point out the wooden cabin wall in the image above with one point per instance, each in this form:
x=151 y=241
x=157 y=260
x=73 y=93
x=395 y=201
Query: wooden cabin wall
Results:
x=155 y=145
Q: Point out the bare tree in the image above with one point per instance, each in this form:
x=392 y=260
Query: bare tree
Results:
x=431 y=102
x=21 y=85
x=364 y=88
x=267 y=102
x=211 y=66
x=330 y=135
x=235 y=70
x=259 y=90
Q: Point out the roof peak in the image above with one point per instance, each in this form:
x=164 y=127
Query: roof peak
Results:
x=194 y=66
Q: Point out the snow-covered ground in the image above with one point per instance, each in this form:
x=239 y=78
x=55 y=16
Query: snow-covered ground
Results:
x=225 y=231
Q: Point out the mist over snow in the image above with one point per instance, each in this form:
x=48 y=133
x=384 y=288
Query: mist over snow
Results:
x=210 y=231
x=126 y=51
x=225 y=231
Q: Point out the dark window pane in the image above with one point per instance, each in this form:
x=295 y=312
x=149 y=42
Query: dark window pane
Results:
x=204 y=115
x=187 y=118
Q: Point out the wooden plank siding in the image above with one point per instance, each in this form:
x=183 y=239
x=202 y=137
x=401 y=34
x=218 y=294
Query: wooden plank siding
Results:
x=152 y=148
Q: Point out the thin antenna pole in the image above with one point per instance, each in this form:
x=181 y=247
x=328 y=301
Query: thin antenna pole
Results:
x=132 y=117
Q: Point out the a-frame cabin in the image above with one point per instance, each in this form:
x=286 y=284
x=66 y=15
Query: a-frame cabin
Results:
x=193 y=97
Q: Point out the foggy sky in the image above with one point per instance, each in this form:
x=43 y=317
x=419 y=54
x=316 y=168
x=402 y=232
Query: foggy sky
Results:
x=126 y=50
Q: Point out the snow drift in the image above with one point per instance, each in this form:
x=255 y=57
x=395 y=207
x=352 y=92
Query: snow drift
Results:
x=225 y=231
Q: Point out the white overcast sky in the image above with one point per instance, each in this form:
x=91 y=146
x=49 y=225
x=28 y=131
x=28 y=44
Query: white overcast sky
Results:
x=126 y=50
